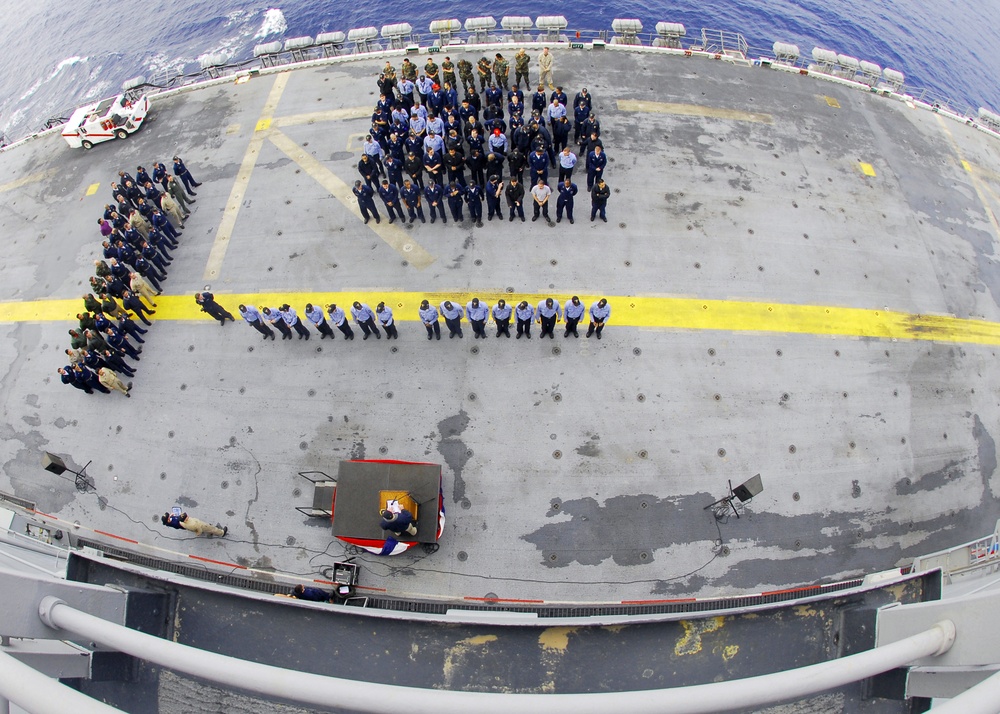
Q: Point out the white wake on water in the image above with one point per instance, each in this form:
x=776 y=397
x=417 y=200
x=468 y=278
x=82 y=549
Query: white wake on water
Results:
x=274 y=24
x=68 y=62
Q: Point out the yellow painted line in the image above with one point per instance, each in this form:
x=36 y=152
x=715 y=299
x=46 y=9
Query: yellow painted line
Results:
x=263 y=125
x=977 y=184
x=24 y=181
x=315 y=117
x=92 y=189
x=967 y=166
x=692 y=110
x=630 y=311
x=228 y=223
x=831 y=101
x=399 y=239
x=867 y=169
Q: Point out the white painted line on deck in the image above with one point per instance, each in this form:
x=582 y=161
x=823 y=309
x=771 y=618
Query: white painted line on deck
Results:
x=228 y=223
x=395 y=236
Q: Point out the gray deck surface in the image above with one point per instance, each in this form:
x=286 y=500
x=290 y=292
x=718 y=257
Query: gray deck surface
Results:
x=894 y=441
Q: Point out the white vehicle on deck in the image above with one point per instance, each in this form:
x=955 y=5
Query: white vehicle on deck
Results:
x=113 y=118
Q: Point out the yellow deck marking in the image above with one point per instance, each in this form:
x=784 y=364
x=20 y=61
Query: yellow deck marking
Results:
x=977 y=184
x=692 y=110
x=391 y=234
x=867 y=169
x=225 y=231
x=314 y=117
x=262 y=125
x=832 y=102
x=92 y=189
x=647 y=312
x=967 y=166
x=32 y=178
x=233 y=129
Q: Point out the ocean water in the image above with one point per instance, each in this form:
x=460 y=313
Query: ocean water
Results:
x=67 y=53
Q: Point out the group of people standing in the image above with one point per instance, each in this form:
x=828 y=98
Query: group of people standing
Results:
x=138 y=230
x=428 y=149
x=478 y=313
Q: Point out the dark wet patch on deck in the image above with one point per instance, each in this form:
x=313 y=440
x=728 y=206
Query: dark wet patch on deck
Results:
x=590 y=448
x=987 y=449
x=453 y=449
x=628 y=529
x=931 y=480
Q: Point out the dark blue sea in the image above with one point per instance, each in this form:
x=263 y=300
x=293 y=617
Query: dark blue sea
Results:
x=67 y=52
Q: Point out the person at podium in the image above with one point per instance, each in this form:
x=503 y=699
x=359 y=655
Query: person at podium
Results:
x=399 y=524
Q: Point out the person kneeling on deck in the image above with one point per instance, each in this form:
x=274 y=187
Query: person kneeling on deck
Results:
x=398 y=523
x=304 y=592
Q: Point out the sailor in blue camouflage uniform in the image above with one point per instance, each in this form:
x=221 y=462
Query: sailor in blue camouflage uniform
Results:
x=411 y=198
x=501 y=317
x=573 y=312
x=456 y=196
x=390 y=197
x=384 y=314
x=600 y=311
x=365 y=203
x=452 y=318
x=477 y=312
x=253 y=318
x=365 y=318
x=494 y=189
x=181 y=172
x=524 y=313
x=429 y=316
x=567 y=190
x=435 y=199
x=339 y=320
x=549 y=314
x=315 y=316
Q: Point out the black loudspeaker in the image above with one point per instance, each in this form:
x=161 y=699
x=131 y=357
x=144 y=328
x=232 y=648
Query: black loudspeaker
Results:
x=51 y=462
x=749 y=488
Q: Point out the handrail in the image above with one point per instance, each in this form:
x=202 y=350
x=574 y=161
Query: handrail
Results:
x=373 y=697
x=37 y=693
x=984 y=698
x=707 y=40
x=978 y=554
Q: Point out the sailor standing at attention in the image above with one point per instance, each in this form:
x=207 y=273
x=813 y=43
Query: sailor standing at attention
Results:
x=315 y=316
x=429 y=316
x=452 y=318
x=567 y=189
x=600 y=311
x=388 y=324
x=291 y=319
x=573 y=312
x=548 y=315
x=339 y=320
x=545 y=63
x=525 y=314
x=252 y=317
x=181 y=171
x=501 y=316
x=365 y=203
x=273 y=315
x=477 y=313
x=365 y=318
